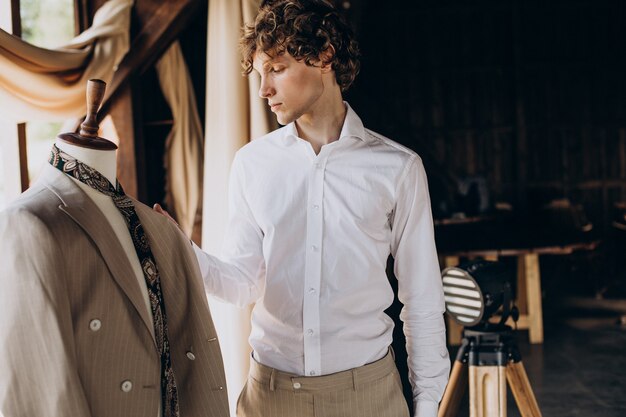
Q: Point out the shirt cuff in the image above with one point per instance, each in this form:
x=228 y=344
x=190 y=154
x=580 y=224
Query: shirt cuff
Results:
x=426 y=409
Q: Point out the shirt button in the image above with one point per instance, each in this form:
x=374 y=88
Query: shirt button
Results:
x=311 y=290
x=95 y=325
x=316 y=207
x=310 y=332
x=312 y=373
x=318 y=165
x=314 y=248
x=191 y=356
x=126 y=386
x=297 y=385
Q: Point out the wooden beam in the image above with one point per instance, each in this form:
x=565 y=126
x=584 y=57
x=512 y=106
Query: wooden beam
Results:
x=160 y=24
x=81 y=16
x=16 y=29
x=16 y=18
x=122 y=114
x=23 y=156
x=11 y=163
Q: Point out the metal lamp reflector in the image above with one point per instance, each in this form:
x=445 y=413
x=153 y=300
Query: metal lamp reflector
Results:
x=476 y=290
x=464 y=300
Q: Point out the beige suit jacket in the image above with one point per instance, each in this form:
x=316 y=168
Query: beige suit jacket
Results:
x=75 y=335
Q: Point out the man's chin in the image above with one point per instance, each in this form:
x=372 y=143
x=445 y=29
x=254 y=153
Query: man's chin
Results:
x=283 y=119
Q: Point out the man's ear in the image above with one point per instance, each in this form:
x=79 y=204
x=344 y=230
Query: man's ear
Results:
x=326 y=58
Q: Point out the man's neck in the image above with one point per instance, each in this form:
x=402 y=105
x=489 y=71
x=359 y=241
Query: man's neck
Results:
x=104 y=162
x=322 y=125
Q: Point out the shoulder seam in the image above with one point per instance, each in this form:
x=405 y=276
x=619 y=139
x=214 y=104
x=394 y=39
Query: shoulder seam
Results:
x=386 y=141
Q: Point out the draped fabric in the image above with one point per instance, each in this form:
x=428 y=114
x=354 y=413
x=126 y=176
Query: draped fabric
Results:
x=183 y=154
x=235 y=114
x=49 y=84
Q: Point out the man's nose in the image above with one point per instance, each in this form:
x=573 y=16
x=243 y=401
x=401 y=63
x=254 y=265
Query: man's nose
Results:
x=265 y=90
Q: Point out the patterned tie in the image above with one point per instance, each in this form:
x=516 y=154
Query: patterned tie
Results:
x=87 y=175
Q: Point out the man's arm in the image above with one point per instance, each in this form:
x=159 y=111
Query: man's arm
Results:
x=238 y=276
x=38 y=374
x=420 y=290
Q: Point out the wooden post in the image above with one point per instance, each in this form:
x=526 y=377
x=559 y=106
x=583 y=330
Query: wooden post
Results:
x=533 y=294
x=521 y=299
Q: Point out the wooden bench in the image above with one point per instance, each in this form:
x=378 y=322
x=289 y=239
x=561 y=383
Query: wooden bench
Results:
x=492 y=240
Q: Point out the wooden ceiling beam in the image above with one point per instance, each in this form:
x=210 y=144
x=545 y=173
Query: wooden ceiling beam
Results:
x=159 y=24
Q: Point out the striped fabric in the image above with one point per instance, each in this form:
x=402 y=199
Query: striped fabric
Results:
x=94 y=179
x=373 y=390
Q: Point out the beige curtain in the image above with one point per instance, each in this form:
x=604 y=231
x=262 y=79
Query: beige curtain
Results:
x=235 y=114
x=183 y=147
x=46 y=84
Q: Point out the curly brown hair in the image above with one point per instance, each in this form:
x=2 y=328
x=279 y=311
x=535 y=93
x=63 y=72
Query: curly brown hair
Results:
x=309 y=30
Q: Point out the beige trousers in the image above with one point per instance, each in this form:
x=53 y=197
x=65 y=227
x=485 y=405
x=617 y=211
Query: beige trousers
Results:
x=372 y=390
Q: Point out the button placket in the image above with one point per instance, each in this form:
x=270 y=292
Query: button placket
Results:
x=313 y=267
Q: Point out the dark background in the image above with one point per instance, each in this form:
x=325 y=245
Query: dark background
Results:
x=529 y=96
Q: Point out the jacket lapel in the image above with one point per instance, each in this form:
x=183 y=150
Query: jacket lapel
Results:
x=157 y=232
x=78 y=206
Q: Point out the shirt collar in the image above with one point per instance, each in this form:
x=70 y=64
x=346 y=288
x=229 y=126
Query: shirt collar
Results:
x=352 y=127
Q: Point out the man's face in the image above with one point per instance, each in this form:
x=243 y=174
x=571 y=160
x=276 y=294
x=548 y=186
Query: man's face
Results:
x=291 y=88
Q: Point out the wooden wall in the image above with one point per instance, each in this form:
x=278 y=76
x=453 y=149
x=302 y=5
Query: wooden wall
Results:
x=529 y=94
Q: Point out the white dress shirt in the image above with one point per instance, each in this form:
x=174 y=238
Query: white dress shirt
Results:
x=308 y=240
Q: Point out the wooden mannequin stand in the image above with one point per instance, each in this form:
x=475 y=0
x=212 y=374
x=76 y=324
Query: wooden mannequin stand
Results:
x=88 y=137
x=493 y=359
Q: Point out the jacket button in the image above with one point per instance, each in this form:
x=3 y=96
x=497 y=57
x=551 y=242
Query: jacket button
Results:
x=191 y=356
x=126 y=386
x=95 y=325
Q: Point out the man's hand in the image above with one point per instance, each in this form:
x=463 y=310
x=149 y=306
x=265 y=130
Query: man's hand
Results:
x=157 y=207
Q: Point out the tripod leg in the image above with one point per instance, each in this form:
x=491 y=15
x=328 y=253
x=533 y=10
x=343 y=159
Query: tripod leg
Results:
x=454 y=391
x=487 y=391
x=522 y=391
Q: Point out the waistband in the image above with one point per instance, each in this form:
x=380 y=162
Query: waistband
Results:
x=350 y=379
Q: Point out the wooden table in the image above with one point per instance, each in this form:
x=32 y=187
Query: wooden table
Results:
x=519 y=238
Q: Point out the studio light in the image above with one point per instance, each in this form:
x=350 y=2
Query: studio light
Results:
x=474 y=292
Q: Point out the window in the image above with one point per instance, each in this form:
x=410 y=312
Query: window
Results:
x=25 y=148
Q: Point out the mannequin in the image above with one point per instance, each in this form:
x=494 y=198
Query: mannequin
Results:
x=100 y=154
x=103 y=161
x=77 y=336
x=87 y=146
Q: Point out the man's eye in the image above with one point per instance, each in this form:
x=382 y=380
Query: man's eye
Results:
x=278 y=69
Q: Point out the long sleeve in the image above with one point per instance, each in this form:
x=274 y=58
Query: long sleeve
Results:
x=38 y=376
x=420 y=290
x=238 y=275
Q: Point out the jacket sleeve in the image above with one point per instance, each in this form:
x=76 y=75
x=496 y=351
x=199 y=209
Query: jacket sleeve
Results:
x=38 y=374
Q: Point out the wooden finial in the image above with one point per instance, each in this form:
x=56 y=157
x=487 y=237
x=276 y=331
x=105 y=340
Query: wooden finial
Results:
x=88 y=135
x=95 y=94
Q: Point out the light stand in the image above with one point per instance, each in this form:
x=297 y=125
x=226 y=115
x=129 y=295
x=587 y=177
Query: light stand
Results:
x=488 y=357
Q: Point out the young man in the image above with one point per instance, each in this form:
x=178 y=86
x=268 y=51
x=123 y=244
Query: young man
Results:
x=316 y=207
